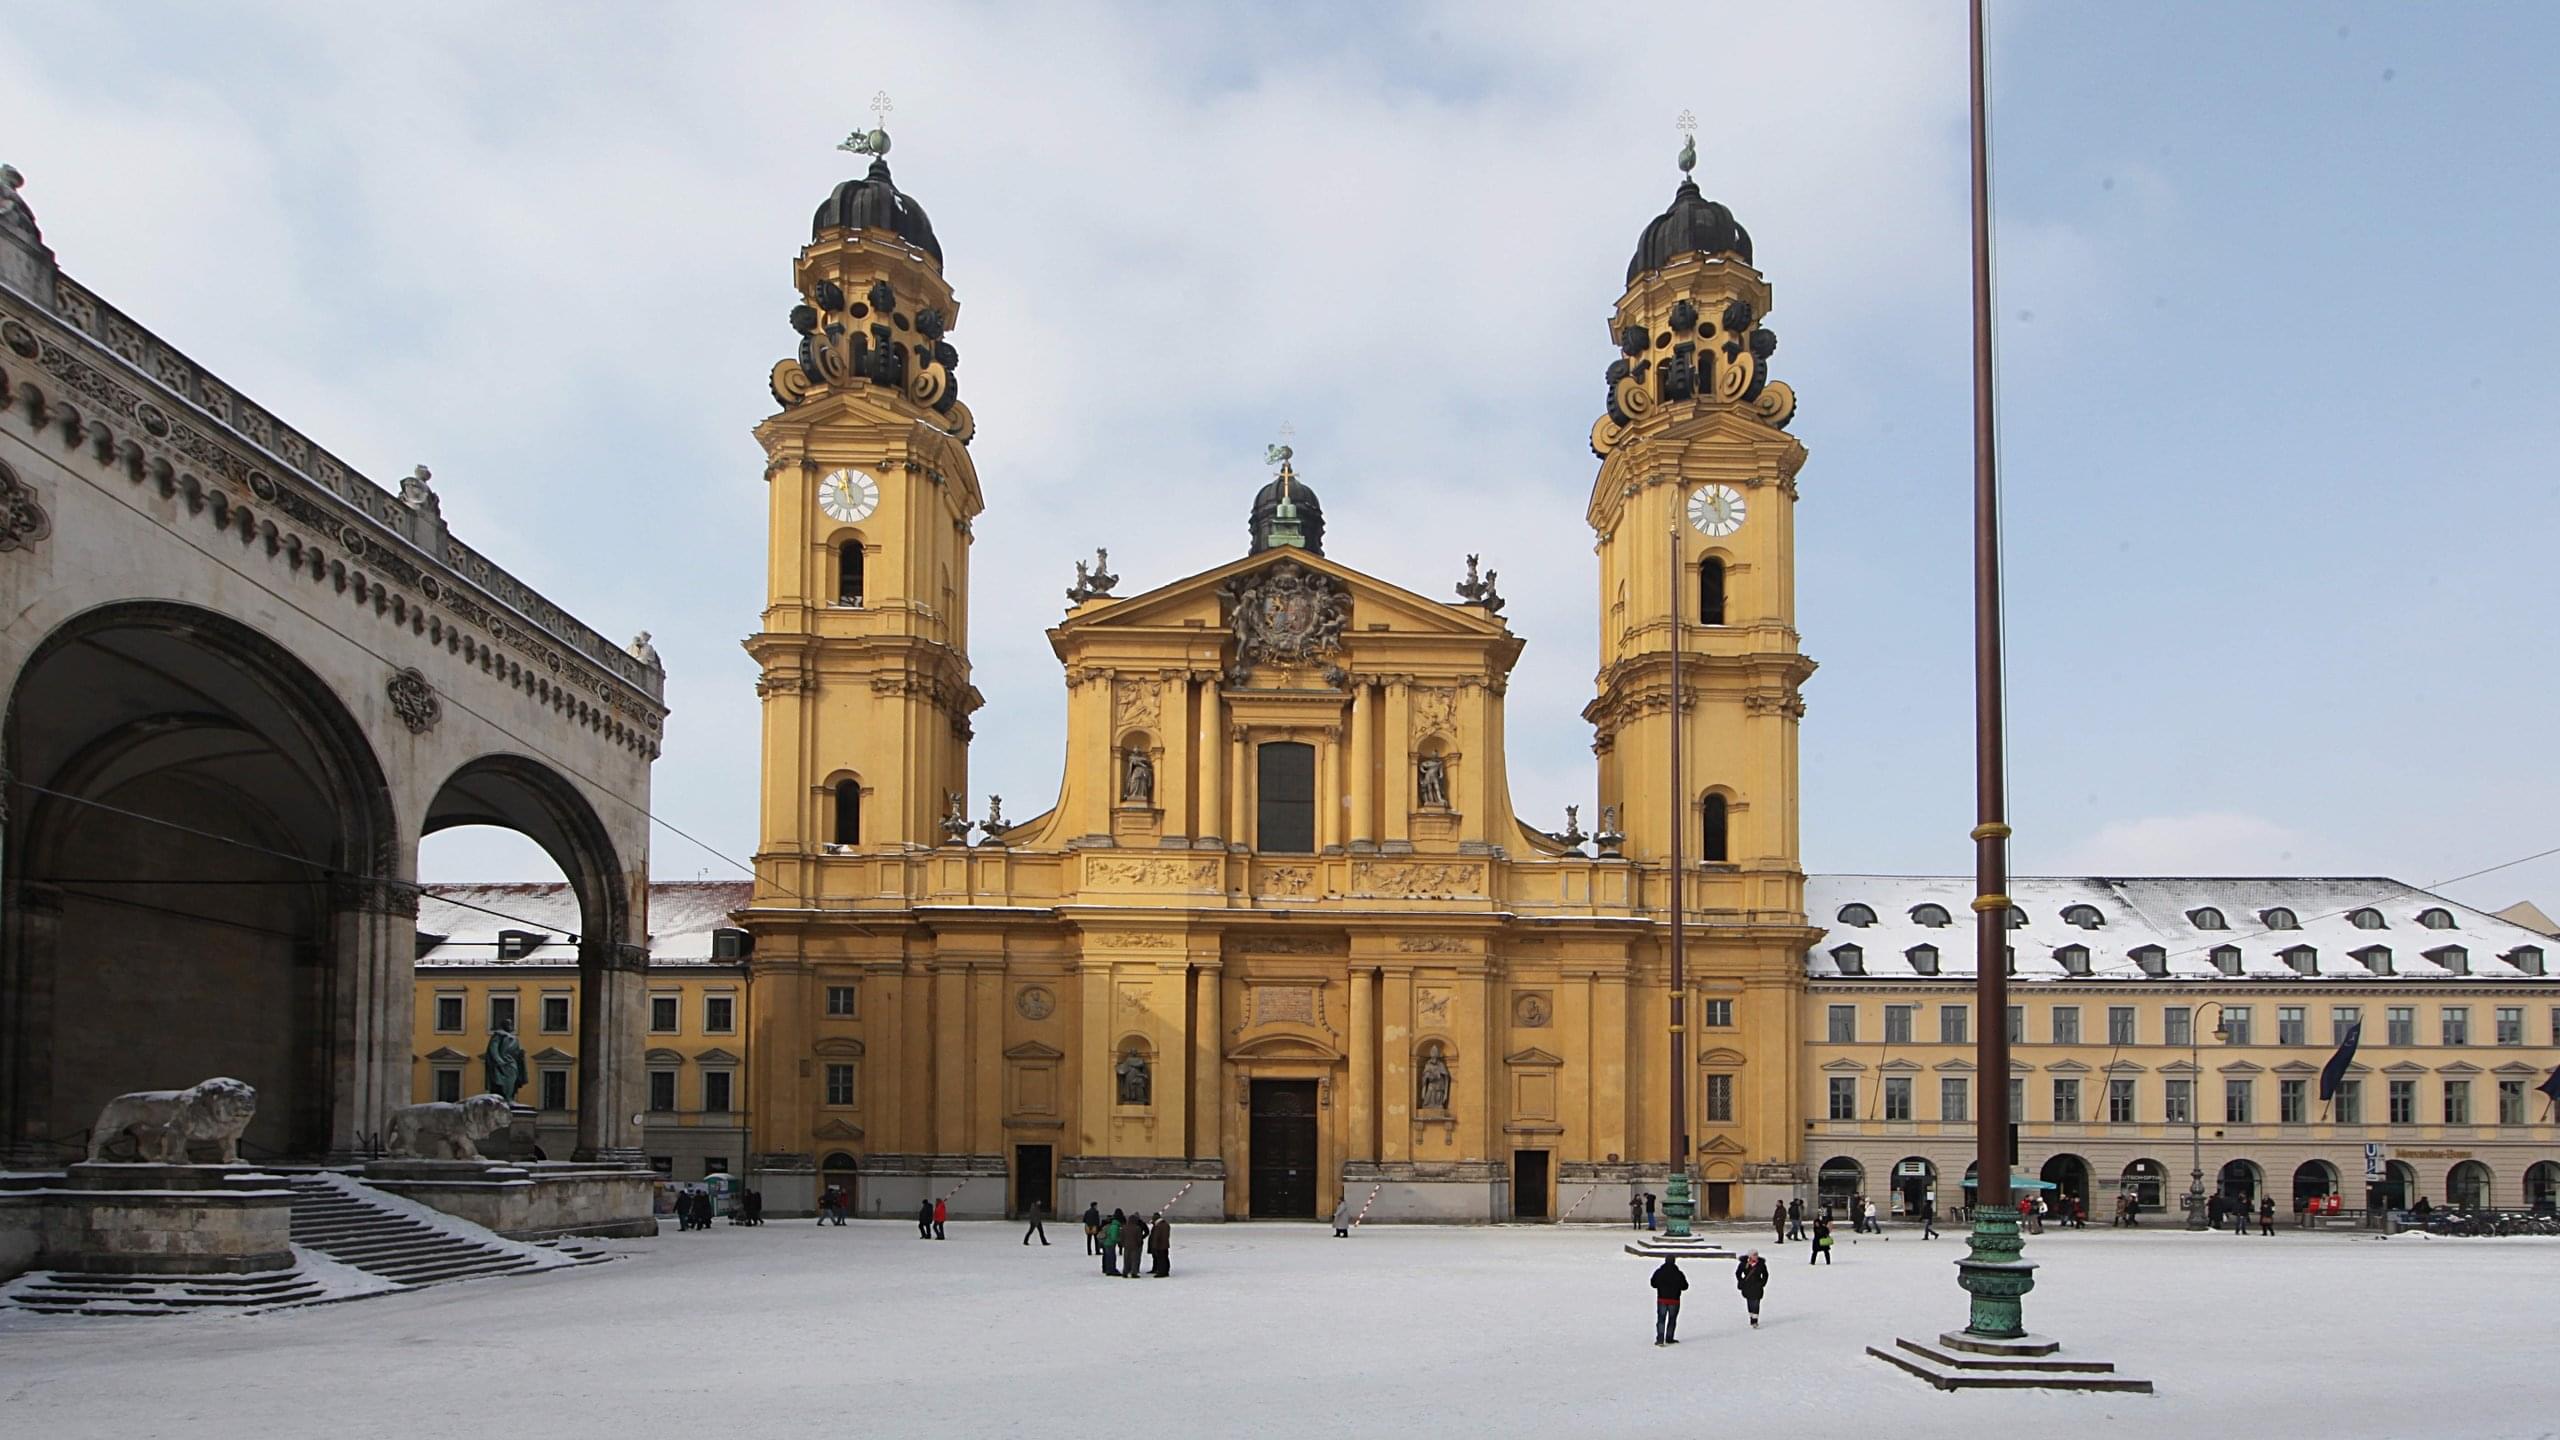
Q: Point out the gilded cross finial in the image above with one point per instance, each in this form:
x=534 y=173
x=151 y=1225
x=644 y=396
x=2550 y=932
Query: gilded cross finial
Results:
x=874 y=141
x=1688 y=124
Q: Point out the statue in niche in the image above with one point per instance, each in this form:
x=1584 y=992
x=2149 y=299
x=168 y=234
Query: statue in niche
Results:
x=1434 y=1083
x=502 y=1064
x=1431 y=781
x=1138 y=780
x=1134 y=1087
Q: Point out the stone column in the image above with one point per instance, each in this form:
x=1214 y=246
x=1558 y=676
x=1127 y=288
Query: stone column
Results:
x=1239 y=788
x=1211 y=831
x=613 y=1082
x=1329 y=790
x=1208 y=1060
x=33 y=937
x=372 y=947
x=1360 y=1087
x=1364 y=773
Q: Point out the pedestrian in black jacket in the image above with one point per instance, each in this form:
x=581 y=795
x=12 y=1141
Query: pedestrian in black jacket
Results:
x=1778 y=1222
x=1751 y=1277
x=1668 y=1282
x=1034 y=1228
x=924 y=1219
x=1092 y=1227
x=1133 y=1243
x=1795 y=1218
x=1821 y=1242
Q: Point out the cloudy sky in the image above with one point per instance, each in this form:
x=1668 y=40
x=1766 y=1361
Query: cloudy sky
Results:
x=2277 y=321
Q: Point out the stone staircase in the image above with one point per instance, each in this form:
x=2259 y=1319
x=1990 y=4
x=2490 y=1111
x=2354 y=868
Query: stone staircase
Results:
x=1957 y=1361
x=401 y=1242
x=64 y=1292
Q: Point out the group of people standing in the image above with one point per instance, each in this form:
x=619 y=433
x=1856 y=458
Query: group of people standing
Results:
x=693 y=1208
x=1750 y=1276
x=1120 y=1238
x=1787 y=1223
x=2217 y=1208
x=931 y=1215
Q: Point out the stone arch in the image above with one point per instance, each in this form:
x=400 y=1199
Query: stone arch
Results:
x=1840 y=1178
x=2313 y=1180
x=155 y=746
x=2469 y=1186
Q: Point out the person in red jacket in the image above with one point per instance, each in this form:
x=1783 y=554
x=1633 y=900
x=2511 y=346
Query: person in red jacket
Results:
x=941 y=1212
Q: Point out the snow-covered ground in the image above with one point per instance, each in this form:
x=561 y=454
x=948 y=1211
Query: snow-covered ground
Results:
x=1283 y=1330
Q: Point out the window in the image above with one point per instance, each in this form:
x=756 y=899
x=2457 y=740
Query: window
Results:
x=2555 y=1024
x=2235 y=1025
x=502 y=1013
x=2017 y=918
x=1843 y=1024
x=1897 y=1024
x=555 y=1089
x=1858 y=915
x=2119 y=1102
x=2235 y=1102
x=840 y=1001
x=2350 y=1102
x=716 y=1085
x=2303 y=960
x=2376 y=958
x=2120 y=1025
x=839 y=1083
x=2510 y=1102
x=2436 y=918
x=849 y=573
x=728 y=943
x=2293 y=1102
x=662 y=1015
x=555 y=1014
x=1954 y=1103
x=517 y=944
x=2066 y=1101
x=848 y=829
x=1844 y=1097
x=1711 y=591
x=2207 y=918
x=2066 y=1024
x=2342 y=1019
x=2017 y=1099
x=2153 y=960
x=2084 y=916
x=2226 y=958
x=448 y=1014
x=1923 y=958
x=1720 y=1014
x=1285 y=812
x=2017 y=1024
x=2074 y=958
x=2454 y=959
x=662 y=1092
x=2401 y=1024
x=1897 y=1097
x=1713 y=834
x=2404 y=1102
x=1720 y=1099
x=2527 y=958
x=2178 y=1102
x=2291 y=1027
x=2278 y=918
x=2510 y=1024
x=1952 y=1026
x=2457 y=1102
x=2457 y=1024
x=1934 y=916
x=2367 y=919
x=2177 y=1026
x=719 y=1014
x=448 y=1083
x=1851 y=959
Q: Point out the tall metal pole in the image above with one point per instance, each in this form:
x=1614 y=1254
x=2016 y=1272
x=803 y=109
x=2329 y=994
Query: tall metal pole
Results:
x=1676 y=1205
x=1992 y=1273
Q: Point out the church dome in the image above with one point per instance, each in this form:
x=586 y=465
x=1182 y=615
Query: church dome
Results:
x=874 y=202
x=1266 y=505
x=1694 y=225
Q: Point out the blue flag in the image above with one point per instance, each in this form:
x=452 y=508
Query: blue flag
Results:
x=2551 y=1085
x=2336 y=1069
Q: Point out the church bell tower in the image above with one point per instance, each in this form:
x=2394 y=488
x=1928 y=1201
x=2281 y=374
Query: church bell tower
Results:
x=1694 y=514
x=864 y=646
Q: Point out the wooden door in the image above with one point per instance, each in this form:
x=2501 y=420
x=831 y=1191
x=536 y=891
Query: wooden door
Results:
x=1529 y=1184
x=1281 y=1162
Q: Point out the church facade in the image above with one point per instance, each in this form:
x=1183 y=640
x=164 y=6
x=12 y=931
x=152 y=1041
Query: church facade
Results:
x=1282 y=941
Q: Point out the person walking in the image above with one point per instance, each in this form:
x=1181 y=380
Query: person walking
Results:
x=1751 y=1277
x=1133 y=1243
x=1778 y=1222
x=1111 y=1243
x=1668 y=1282
x=1648 y=1211
x=1034 y=1227
x=1160 y=1248
x=1872 y=1227
x=1635 y=1211
x=1821 y=1243
x=924 y=1219
x=941 y=1213
x=1795 y=1218
x=1092 y=1226
x=2267 y=1215
x=1928 y=1219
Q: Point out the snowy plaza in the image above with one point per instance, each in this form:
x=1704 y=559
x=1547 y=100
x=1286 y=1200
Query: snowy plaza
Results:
x=1281 y=1329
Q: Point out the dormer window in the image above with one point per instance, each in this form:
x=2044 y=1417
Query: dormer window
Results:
x=1934 y=916
x=2153 y=960
x=2017 y=918
x=2207 y=918
x=2376 y=958
x=2454 y=959
x=731 y=944
x=517 y=944
x=2087 y=917
x=2367 y=919
x=1923 y=958
x=2009 y=959
x=1858 y=915
x=2226 y=958
x=2303 y=959
x=2074 y=958
x=2278 y=918
x=2527 y=958
x=1851 y=959
x=2436 y=917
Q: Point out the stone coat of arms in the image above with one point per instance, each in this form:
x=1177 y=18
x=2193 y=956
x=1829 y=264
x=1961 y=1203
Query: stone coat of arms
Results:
x=1286 y=615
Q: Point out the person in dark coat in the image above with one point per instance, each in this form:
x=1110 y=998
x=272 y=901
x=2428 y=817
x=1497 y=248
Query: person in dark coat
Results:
x=1111 y=1243
x=1635 y=1212
x=1133 y=1242
x=1668 y=1282
x=941 y=1212
x=1160 y=1247
x=1034 y=1227
x=1821 y=1242
x=1648 y=1211
x=924 y=1219
x=1778 y=1222
x=1795 y=1218
x=1751 y=1277
x=1928 y=1219
x=1092 y=1227
x=2266 y=1214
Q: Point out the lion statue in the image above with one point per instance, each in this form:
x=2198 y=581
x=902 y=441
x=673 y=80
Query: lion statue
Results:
x=446 y=1130
x=163 y=1123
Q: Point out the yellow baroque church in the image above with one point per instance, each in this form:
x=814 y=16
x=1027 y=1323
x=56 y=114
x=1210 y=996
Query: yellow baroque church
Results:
x=1282 y=942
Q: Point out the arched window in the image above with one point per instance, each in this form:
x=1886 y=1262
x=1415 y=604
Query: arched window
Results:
x=848 y=828
x=2279 y=918
x=1931 y=915
x=2017 y=918
x=2367 y=919
x=2207 y=918
x=1285 y=792
x=1713 y=843
x=2087 y=917
x=849 y=573
x=1711 y=591
x=1855 y=914
x=2436 y=919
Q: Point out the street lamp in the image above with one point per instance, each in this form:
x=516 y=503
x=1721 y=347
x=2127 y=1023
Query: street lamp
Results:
x=2195 y=1109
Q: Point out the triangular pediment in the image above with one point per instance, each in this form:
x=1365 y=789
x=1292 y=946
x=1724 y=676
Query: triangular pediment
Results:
x=2297 y=1067
x=2241 y=1067
x=553 y=1055
x=716 y=1057
x=446 y=1055
x=1177 y=603
x=2179 y=1067
x=832 y=1129
x=2458 y=1067
x=1532 y=1056
x=1954 y=1066
x=2067 y=1067
x=2124 y=1067
x=1899 y=1066
x=2518 y=1067
x=1034 y=1050
x=1720 y=1145
x=1844 y=1065
x=2404 y=1067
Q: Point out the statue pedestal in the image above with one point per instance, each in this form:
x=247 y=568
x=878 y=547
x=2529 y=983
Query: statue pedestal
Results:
x=119 y=1219
x=526 y=1202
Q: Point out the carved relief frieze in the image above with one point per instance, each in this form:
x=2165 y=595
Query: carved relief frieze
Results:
x=1284 y=1004
x=1132 y=940
x=1416 y=880
x=1152 y=874
x=1291 y=945
x=1284 y=881
x=1133 y=707
x=1433 y=945
x=1435 y=712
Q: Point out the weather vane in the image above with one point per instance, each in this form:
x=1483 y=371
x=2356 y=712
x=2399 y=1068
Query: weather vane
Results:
x=1279 y=454
x=874 y=141
x=1688 y=124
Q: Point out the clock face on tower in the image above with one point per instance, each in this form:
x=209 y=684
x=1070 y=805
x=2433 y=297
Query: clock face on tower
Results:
x=1716 y=509
x=848 y=495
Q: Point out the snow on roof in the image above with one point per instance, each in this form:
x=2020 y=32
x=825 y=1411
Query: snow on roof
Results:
x=2136 y=913
x=682 y=916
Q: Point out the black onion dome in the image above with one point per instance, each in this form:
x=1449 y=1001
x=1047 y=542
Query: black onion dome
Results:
x=874 y=202
x=1694 y=225
x=1266 y=506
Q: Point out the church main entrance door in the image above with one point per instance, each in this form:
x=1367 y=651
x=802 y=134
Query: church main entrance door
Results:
x=1282 y=1159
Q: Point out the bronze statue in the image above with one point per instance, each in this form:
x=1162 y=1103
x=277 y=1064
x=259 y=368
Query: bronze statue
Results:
x=502 y=1064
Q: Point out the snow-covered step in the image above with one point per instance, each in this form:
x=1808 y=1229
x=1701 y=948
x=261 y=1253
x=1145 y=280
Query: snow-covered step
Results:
x=400 y=1240
x=63 y=1292
x=1955 y=1363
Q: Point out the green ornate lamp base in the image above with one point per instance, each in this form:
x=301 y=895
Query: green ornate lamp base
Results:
x=1676 y=1205
x=1994 y=1275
